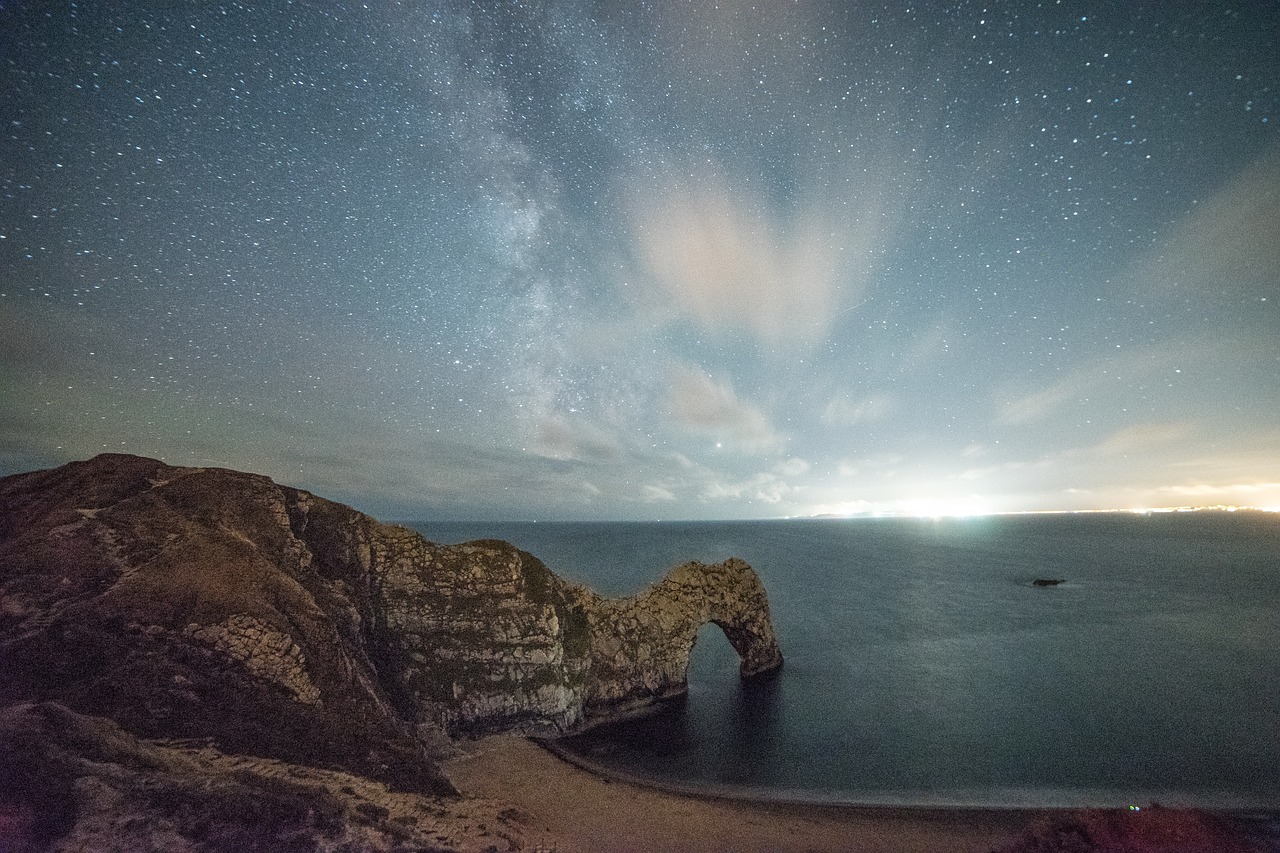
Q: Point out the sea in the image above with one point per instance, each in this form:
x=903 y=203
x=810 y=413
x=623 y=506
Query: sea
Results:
x=924 y=666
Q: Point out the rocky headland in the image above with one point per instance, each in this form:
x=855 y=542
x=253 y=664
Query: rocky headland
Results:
x=168 y=631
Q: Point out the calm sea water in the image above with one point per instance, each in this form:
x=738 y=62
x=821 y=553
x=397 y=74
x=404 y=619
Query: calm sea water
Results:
x=922 y=665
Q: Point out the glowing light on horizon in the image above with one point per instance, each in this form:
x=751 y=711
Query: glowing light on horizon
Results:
x=976 y=507
x=968 y=506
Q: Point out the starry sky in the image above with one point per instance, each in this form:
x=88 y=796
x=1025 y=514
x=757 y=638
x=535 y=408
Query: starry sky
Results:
x=649 y=259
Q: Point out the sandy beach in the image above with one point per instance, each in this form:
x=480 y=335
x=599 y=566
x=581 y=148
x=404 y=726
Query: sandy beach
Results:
x=572 y=810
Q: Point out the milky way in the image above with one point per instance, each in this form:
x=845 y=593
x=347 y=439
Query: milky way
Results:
x=650 y=260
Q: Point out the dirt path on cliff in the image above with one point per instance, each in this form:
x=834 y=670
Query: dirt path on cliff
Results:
x=577 y=811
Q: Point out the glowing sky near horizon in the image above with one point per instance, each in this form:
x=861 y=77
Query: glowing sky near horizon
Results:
x=650 y=259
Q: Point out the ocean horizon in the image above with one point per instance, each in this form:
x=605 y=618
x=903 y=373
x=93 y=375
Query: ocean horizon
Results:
x=925 y=666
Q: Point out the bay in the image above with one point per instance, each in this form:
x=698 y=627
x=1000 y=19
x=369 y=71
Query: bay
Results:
x=924 y=666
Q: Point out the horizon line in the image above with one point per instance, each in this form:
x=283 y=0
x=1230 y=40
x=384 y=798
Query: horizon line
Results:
x=870 y=514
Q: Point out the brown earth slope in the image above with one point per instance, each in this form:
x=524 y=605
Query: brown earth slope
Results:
x=218 y=609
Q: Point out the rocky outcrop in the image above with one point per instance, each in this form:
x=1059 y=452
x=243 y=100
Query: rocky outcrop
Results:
x=201 y=602
x=640 y=646
x=489 y=639
x=482 y=637
x=189 y=603
x=1136 y=830
x=227 y=662
x=70 y=782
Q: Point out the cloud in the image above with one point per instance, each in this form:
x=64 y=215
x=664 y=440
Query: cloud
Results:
x=703 y=405
x=766 y=487
x=1143 y=438
x=1230 y=242
x=929 y=345
x=885 y=462
x=844 y=412
x=718 y=257
x=1039 y=405
x=1240 y=494
x=1116 y=374
x=792 y=467
x=557 y=437
x=652 y=493
x=1003 y=469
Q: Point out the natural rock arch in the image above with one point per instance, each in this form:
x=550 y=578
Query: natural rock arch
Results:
x=641 y=645
x=201 y=589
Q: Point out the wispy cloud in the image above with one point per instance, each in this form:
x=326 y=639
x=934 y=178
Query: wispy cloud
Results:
x=557 y=437
x=1229 y=244
x=1142 y=438
x=1038 y=405
x=704 y=405
x=652 y=493
x=767 y=487
x=720 y=258
x=842 y=411
x=1119 y=374
x=1262 y=494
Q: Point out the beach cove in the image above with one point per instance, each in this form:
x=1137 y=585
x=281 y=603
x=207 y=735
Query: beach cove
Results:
x=570 y=809
x=564 y=804
x=925 y=668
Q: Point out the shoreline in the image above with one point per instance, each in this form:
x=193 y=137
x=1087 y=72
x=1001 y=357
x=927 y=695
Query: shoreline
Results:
x=569 y=805
x=892 y=800
x=573 y=807
x=756 y=797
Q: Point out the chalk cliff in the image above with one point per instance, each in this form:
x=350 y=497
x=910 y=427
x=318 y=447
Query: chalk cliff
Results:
x=207 y=603
x=640 y=645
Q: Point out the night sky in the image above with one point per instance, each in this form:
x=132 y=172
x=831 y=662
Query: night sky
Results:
x=650 y=260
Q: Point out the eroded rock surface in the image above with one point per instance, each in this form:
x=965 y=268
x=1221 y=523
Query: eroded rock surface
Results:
x=70 y=782
x=640 y=645
x=201 y=602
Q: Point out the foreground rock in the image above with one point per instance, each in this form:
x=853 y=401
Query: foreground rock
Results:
x=183 y=604
x=1147 y=830
x=71 y=782
x=212 y=605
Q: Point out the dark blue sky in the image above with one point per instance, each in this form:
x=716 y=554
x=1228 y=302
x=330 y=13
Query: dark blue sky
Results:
x=650 y=259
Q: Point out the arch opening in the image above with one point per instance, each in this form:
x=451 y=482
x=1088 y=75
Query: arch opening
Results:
x=713 y=660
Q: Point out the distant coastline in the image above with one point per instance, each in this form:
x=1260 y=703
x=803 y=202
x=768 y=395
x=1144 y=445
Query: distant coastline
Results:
x=1223 y=508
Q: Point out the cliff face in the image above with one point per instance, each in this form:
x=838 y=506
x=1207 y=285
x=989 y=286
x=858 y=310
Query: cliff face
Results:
x=488 y=639
x=189 y=603
x=205 y=603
